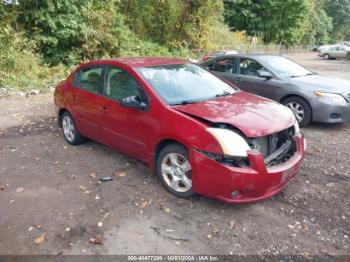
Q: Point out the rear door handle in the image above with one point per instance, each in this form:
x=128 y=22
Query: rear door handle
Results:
x=74 y=97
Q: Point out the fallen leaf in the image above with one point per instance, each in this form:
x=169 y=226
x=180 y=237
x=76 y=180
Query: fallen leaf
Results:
x=40 y=240
x=307 y=255
x=2 y=188
x=93 y=175
x=167 y=210
x=215 y=231
x=38 y=226
x=141 y=232
x=30 y=228
x=144 y=204
x=120 y=173
x=55 y=162
x=98 y=240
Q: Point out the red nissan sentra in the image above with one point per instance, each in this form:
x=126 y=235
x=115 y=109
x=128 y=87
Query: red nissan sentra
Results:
x=198 y=133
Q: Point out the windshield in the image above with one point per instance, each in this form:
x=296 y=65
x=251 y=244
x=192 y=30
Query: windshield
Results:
x=185 y=83
x=284 y=67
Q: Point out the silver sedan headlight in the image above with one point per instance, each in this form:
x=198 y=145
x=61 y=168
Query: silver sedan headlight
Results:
x=331 y=98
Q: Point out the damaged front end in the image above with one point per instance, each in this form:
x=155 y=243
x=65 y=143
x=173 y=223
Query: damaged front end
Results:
x=276 y=148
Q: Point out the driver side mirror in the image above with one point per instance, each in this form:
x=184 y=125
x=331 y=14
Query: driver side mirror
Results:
x=133 y=102
x=265 y=74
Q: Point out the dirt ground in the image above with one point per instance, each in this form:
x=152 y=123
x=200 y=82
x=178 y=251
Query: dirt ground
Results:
x=51 y=188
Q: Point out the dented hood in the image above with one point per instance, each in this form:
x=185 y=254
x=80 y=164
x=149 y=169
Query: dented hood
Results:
x=253 y=115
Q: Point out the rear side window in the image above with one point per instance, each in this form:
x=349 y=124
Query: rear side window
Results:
x=89 y=79
x=226 y=65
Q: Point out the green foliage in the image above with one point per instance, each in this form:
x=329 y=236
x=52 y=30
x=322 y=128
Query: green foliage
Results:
x=339 y=10
x=273 y=20
x=318 y=25
x=20 y=67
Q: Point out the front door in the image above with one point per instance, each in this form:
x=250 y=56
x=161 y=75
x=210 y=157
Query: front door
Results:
x=124 y=128
x=247 y=78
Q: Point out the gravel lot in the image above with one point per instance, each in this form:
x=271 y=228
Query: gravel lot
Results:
x=48 y=188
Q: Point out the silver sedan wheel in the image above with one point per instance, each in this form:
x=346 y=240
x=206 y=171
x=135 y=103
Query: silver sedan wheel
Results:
x=177 y=172
x=298 y=110
x=68 y=128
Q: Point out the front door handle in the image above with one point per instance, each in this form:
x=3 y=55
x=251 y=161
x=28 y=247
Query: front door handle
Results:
x=74 y=97
x=104 y=109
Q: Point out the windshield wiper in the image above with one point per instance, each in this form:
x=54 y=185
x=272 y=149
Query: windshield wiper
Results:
x=185 y=102
x=225 y=93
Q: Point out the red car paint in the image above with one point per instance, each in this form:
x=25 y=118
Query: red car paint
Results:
x=138 y=133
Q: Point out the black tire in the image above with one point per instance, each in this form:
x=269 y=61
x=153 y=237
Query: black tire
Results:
x=180 y=150
x=327 y=57
x=304 y=104
x=77 y=139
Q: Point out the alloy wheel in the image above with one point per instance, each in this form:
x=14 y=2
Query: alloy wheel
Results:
x=177 y=172
x=68 y=128
x=297 y=109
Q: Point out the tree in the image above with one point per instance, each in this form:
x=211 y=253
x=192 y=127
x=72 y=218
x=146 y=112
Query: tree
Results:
x=318 y=25
x=273 y=20
x=339 y=10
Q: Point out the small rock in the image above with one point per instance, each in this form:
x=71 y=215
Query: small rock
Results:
x=19 y=190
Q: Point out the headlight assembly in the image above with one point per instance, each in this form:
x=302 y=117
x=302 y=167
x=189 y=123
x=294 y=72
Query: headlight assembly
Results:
x=331 y=98
x=232 y=144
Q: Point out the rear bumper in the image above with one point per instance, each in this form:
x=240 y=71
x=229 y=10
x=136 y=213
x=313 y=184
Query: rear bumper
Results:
x=328 y=113
x=244 y=185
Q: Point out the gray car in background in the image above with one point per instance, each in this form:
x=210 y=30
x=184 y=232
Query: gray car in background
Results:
x=310 y=96
x=335 y=52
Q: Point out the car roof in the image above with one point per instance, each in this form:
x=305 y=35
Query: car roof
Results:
x=145 y=61
x=252 y=56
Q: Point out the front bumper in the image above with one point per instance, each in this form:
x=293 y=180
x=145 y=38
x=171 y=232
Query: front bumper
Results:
x=215 y=180
x=329 y=113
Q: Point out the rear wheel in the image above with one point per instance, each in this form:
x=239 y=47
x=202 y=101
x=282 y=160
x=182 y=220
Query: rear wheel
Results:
x=300 y=108
x=174 y=170
x=70 y=130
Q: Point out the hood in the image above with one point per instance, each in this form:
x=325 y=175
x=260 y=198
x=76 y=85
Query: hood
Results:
x=323 y=83
x=253 y=115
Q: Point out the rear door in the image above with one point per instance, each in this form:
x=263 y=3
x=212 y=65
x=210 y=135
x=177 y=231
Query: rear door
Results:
x=124 y=128
x=85 y=100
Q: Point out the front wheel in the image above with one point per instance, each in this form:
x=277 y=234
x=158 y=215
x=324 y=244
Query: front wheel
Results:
x=327 y=57
x=70 y=130
x=300 y=108
x=174 y=170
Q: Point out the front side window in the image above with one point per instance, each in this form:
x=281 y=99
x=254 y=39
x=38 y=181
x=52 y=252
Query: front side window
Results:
x=185 y=83
x=224 y=65
x=89 y=79
x=119 y=84
x=250 y=67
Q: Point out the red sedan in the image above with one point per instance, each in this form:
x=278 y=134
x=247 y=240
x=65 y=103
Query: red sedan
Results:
x=198 y=133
